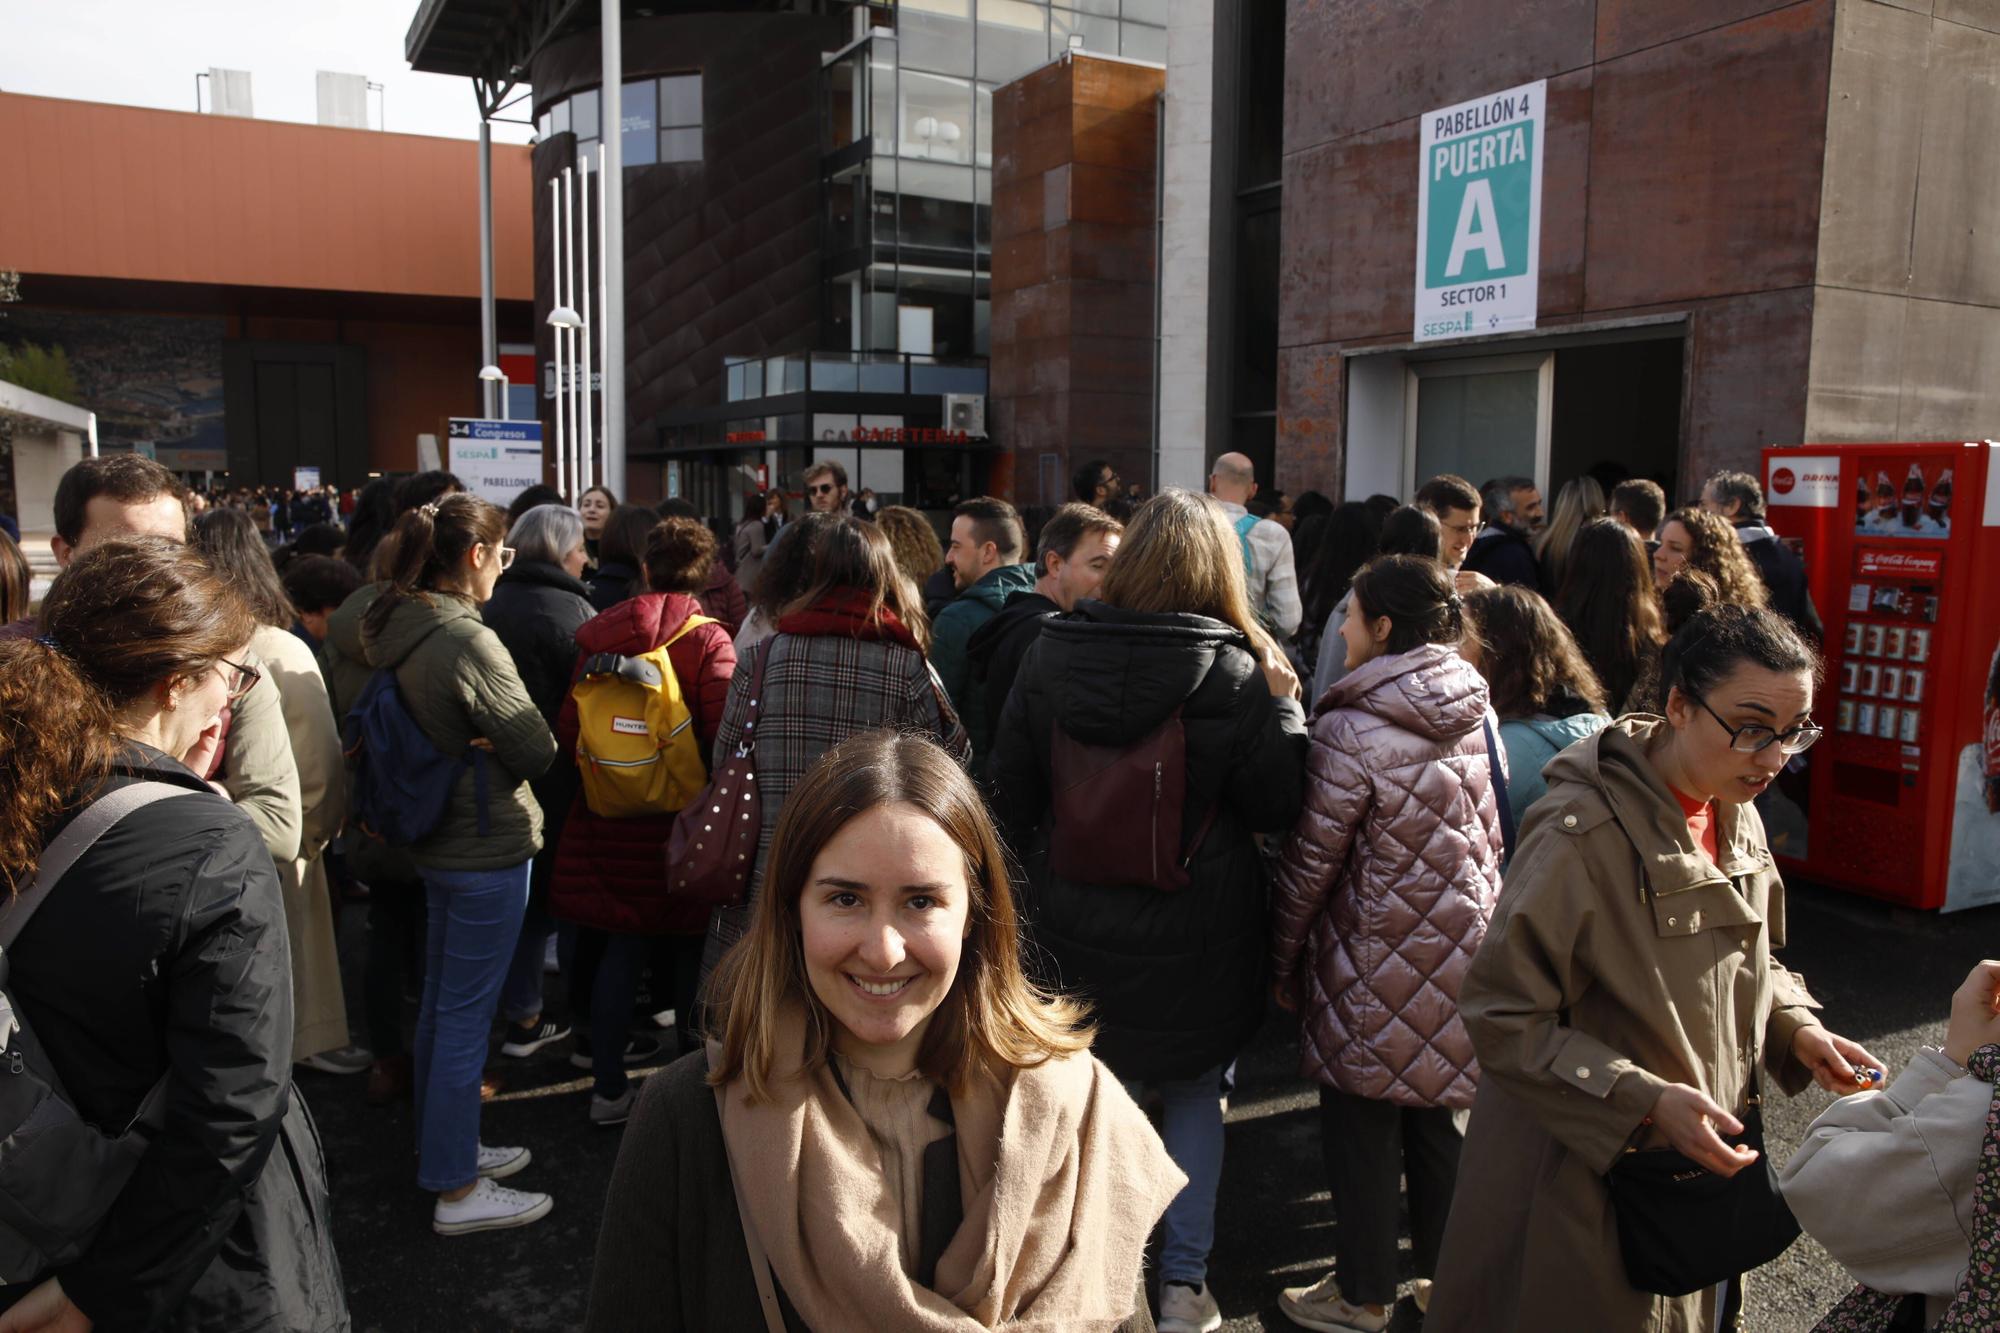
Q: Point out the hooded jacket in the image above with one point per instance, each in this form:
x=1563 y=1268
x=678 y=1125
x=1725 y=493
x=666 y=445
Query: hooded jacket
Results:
x=951 y=638
x=1784 y=576
x=723 y=598
x=1530 y=743
x=611 y=584
x=1386 y=885
x=162 y=952
x=1175 y=980
x=1619 y=960
x=996 y=649
x=608 y=872
x=1505 y=555
x=459 y=683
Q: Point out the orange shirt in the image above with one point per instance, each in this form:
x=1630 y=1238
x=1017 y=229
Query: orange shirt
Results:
x=1701 y=822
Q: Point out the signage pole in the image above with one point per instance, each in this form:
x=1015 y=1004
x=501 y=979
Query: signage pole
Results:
x=587 y=472
x=555 y=235
x=603 y=305
x=488 y=350
x=568 y=390
x=612 y=252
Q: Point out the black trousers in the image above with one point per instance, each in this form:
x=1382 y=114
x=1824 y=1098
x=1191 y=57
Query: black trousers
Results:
x=396 y=928
x=1370 y=1146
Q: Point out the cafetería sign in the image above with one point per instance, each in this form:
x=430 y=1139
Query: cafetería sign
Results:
x=870 y=435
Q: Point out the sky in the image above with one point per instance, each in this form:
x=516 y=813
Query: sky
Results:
x=146 y=53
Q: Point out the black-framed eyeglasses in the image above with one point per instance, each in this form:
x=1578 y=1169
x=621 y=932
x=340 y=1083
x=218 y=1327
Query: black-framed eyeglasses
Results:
x=246 y=679
x=1754 y=737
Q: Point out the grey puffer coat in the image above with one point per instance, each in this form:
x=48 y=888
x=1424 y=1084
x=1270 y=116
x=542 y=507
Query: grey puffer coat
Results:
x=1388 y=881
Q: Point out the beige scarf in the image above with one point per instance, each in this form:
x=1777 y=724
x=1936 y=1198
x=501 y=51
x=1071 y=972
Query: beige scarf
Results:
x=1061 y=1175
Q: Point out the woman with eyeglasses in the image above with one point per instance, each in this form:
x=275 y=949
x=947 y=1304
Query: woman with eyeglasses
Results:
x=459 y=683
x=1626 y=997
x=153 y=975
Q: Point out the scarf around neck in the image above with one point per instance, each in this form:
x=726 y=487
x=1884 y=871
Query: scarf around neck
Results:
x=1061 y=1175
x=845 y=612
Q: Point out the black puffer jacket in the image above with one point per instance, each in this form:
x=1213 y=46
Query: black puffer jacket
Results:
x=611 y=584
x=536 y=609
x=1176 y=980
x=163 y=951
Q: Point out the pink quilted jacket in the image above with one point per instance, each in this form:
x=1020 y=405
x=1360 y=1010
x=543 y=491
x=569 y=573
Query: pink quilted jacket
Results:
x=1388 y=882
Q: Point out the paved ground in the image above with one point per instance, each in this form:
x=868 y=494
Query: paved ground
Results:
x=1885 y=978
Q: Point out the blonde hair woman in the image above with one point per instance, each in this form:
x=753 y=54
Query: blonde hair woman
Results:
x=1580 y=500
x=1168 y=653
x=919 y=554
x=895 y=1129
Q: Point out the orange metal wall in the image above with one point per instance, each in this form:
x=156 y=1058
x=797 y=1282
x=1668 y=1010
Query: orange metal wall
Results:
x=172 y=196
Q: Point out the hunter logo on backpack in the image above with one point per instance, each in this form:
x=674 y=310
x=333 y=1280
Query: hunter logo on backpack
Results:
x=636 y=745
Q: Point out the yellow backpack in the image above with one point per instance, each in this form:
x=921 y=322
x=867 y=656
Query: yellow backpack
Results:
x=635 y=742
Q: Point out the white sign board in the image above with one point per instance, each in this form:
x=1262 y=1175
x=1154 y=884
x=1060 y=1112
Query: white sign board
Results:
x=496 y=460
x=305 y=478
x=1479 y=215
x=1803 y=481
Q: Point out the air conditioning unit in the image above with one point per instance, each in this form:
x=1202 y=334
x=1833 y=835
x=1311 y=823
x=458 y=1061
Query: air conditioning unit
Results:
x=966 y=412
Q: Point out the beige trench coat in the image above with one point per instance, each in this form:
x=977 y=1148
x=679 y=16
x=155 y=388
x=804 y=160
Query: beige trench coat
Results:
x=319 y=1006
x=1619 y=961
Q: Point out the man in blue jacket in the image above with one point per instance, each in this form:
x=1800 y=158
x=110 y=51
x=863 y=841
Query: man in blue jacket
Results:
x=987 y=543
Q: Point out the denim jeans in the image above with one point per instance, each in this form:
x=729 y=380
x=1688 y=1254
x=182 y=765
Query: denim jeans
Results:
x=475 y=921
x=1191 y=1127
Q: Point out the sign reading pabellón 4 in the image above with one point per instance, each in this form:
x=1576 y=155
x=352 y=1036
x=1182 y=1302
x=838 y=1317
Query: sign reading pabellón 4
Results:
x=496 y=460
x=1479 y=215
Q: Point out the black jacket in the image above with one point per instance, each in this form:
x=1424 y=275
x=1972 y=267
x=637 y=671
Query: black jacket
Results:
x=1176 y=980
x=1784 y=576
x=163 y=951
x=536 y=610
x=611 y=584
x=995 y=651
x=1505 y=556
x=671 y=1255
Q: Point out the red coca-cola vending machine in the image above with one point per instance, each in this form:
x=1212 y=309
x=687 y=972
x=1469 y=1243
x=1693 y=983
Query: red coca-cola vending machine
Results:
x=1901 y=799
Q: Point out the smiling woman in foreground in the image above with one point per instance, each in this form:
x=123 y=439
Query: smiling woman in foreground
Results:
x=896 y=1130
x=1624 y=1002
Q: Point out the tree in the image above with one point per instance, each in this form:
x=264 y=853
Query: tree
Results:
x=40 y=370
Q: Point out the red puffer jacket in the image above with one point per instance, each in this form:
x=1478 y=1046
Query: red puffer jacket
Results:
x=1388 y=882
x=608 y=871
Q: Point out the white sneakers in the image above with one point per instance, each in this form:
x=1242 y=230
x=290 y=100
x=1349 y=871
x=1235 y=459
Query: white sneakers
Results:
x=500 y=1163
x=1185 y=1309
x=349 y=1059
x=489 y=1207
x=1321 y=1307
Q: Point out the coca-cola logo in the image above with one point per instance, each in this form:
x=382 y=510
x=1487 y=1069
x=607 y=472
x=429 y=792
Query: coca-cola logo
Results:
x=1911 y=564
x=1783 y=480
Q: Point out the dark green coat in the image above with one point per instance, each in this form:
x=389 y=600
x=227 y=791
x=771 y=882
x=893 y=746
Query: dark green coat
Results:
x=459 y=683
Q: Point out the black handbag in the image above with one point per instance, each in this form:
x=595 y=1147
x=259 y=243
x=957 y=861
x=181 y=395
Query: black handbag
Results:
x=1681 y=1227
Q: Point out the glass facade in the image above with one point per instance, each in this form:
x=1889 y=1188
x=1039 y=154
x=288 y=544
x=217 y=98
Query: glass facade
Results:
x=660 y=120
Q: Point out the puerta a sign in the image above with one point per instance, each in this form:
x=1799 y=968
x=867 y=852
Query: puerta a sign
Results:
x=1479 y=215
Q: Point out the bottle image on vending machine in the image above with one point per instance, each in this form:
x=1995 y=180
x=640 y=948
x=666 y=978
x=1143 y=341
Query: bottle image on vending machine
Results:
x=1940 y=502
x=1885 y=502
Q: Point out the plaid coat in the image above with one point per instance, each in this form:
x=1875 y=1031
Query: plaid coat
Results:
x=818 y=691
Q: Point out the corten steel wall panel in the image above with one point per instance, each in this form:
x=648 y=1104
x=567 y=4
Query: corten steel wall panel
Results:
x=1073 y=293
x=1625 y=26
x=1746 y=379
x=1565 y=194
x=1354 y=65
x=1874 y=144
x=1311 y=445
x=126 y=192
x=1705 y=162
x=1350 y=224
x=722 y=258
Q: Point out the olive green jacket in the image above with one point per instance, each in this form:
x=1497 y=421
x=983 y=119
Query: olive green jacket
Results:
x=459 y=683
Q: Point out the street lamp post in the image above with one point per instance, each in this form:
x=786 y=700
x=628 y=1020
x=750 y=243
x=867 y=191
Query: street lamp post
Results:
x=490 y=374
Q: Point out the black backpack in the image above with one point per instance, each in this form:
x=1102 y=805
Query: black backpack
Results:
x=59 y=1175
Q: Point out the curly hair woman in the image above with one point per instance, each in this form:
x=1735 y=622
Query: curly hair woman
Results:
x=1707 y=542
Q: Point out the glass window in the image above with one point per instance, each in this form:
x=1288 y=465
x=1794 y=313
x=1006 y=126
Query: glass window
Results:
x=1108 y=8
x=583 y=113
x=683 y=145
x=1140 y=42
x=586 y=151
x=559 y=116
x=882 y=95
x=1147 y=11
x=1013 y=39
x=937 y=117
x=639 y=124
x=935 y=35
x=544 y=125
x=1100 y=35
x=982 y=115
x=680 y=100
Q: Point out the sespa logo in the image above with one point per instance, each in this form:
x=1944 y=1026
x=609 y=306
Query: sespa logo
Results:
x=1783 y=480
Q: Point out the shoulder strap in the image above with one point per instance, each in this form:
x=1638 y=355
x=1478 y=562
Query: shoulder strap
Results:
x=1499 y=786
x=691 y=623
x=70 y=845
x=760 y=1263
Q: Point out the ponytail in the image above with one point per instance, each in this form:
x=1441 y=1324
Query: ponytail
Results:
x=1418 y=598
x=124 y=618
x=428 y=547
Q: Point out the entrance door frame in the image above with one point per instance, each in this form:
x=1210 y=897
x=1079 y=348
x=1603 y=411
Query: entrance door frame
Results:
x=1542 y=362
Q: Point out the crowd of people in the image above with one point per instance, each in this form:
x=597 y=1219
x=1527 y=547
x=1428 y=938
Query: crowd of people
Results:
x=947 y=869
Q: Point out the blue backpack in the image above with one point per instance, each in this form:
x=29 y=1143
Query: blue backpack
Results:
x=402 y=783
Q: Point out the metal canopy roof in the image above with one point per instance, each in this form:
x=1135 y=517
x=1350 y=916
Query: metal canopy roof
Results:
x=489 y=41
